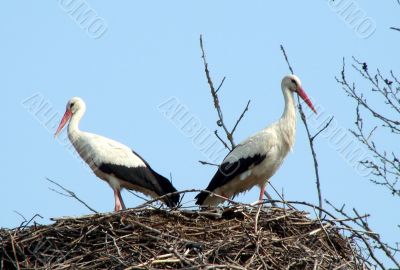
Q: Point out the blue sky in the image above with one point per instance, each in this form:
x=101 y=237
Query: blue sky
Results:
x=149 y=54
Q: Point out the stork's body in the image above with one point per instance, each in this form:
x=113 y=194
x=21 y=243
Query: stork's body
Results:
x=255 y=160
x=114 y=162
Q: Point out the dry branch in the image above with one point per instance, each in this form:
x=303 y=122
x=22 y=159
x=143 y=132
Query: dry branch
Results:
x=69 y=194
x=384 y=164
x=217 y=105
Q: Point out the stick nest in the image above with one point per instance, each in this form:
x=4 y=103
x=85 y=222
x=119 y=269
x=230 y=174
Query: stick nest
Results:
x=180 y=239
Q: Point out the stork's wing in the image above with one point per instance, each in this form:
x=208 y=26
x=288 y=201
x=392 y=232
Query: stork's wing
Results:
x=111 y=157
x=245 y=156
x=145 y=178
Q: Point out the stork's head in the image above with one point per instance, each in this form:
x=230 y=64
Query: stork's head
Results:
x=74 y=106
x=293 y=84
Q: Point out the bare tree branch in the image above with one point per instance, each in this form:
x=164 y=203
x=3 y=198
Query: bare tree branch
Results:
x=241 y=117
x=26 y=222
x=137 y=195
x=368 y=235
x=208 y=163
x=322 y=129
x=287 y=59
x=69 y=194
x=382 y=246
x=384 y=165
x=221 y=140
x=214 y=94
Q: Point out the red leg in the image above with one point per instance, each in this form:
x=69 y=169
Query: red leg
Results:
x=122 y=202
x=119 y=204
x=260 y=199
x=262 y=189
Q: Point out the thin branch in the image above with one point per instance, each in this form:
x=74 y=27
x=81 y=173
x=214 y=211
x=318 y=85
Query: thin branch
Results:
x=214 y=94
x=286 y=58
x=25 y=223
x=384 y=168
x=137 y=195
x=221 y=140
x=241 y=117
x=322 y=129
x=269 y=197
x=360 y=221
x=382 y=246
x=217 y=105
x=208 y=163
x=220 y=85
x=70 y=194
x=22 y=216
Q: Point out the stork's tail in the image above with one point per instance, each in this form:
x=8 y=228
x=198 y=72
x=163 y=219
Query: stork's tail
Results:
x=201 y=197
x=166 y=188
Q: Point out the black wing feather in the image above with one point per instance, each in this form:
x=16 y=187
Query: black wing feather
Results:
x=143 y=176
x=228 y=171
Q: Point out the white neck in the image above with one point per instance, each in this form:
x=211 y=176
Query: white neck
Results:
x=73 y=126
x=290 y=105
x=287 y=123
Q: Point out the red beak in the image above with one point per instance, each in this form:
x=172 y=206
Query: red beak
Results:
x=64 y=120
x=306 y=99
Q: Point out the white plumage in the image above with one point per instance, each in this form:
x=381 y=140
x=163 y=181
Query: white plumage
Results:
x=114 y=162
x=255 y=160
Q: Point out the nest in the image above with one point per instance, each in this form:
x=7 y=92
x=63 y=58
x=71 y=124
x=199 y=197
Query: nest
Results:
x=180 y=239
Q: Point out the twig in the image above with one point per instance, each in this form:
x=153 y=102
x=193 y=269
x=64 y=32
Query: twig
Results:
x=322 y=129
x=286 y=58
x=382 y=246
x=214 y=94
x=221 y=140
x=22 y=216
x=241 y=117
x=384 y=167
x=70 y=194
x=137 y=195
x=359 y=220
x=208 y=163
x=220 y=85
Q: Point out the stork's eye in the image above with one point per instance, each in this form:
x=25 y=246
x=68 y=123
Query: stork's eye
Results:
x=294 y=81
x=71 y=105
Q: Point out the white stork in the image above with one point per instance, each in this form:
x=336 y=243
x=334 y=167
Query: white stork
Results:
x=114 y=162
x=255 y=160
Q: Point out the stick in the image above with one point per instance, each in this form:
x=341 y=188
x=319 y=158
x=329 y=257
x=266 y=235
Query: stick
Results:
x=69 y=194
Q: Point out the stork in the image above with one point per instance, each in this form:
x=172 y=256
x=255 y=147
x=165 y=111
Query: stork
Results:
x=255 y=160
x=114 y=162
